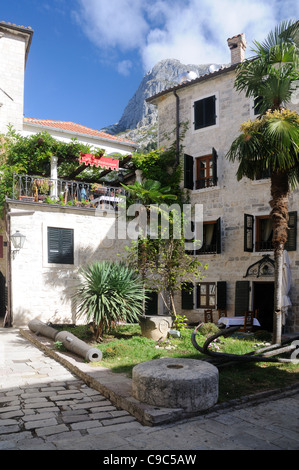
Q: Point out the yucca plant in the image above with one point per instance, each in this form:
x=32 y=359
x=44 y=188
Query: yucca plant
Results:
x=109 y=292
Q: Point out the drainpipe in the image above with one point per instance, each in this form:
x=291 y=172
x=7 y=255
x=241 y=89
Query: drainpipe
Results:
x=177 y=129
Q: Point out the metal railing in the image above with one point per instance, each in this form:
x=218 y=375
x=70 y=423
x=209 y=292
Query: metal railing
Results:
x=264 y=246
x=64 y=192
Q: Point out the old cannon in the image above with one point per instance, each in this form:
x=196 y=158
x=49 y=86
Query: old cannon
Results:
x=69 y=341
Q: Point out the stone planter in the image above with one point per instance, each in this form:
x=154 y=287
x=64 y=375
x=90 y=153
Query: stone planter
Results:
x=155 y=326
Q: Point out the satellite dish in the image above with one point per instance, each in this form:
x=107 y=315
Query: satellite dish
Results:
x=187 y=76
x=213 y=68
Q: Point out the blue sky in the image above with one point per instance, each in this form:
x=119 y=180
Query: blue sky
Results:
x=88 y=57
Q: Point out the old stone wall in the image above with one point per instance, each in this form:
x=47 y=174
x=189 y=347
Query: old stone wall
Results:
x=229 y=199
x=12 y=69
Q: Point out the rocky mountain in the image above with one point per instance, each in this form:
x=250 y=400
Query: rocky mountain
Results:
x=139 y=119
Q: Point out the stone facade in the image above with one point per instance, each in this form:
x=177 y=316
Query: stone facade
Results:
x=228 y=200
x=43 y=290
x=14 y=47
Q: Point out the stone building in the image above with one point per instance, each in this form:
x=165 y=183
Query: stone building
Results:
x=236 y=225
x=35 y=279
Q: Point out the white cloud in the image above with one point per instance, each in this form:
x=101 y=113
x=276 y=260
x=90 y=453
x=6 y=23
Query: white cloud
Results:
x=124 y=67
x=113 y=23
x=192 y=31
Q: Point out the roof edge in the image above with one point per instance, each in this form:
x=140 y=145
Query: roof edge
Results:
x=66 y=131
x=202 y=78
x=21 y=29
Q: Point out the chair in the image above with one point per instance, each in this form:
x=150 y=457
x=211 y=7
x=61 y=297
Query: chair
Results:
x=222 y=312
x=248 y=321
x=208 y=316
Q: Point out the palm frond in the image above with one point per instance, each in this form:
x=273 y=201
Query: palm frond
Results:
x=286 y=32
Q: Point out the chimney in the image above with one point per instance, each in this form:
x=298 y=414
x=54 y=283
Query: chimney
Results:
x=237 y=45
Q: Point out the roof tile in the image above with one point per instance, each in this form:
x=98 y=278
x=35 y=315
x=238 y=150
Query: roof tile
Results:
x=76 y=128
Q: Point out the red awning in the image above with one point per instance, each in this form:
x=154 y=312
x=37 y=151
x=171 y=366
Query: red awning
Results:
x=104 y=162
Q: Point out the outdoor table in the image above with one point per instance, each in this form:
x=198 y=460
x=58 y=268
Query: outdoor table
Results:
x=234 y=321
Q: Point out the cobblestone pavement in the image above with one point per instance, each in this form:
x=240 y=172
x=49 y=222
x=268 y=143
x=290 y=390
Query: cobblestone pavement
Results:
x=43 y=406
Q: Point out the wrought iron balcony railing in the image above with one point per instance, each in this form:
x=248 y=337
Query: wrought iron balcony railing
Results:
x=64 y=192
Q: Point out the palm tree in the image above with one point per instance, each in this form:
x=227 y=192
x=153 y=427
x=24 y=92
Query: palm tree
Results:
x=108 y=293
x=271 y=142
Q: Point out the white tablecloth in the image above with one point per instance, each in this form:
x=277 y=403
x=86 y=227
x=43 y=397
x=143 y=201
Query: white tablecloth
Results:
x=234 y=321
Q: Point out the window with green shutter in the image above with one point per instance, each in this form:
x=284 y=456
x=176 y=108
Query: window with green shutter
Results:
x=188 y=172
x=211 y=238
x=60 y=245
x=187 y=296
x=151 y=303
x=206 y=295
x=221 y=295
x=291 y=244
x=205 y=112
x=248 y=232
x=241 y=298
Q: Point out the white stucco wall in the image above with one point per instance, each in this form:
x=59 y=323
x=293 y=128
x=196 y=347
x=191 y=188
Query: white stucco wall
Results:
x=40 y=290
x=12 y=68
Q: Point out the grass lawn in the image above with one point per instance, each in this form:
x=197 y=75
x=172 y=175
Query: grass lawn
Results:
x=125 y=347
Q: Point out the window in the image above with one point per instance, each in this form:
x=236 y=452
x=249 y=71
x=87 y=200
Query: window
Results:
x=211 y=238
x=206 y=295
x=260 y=229
x=264 y=234
x=205 y=171
x=60 y=245
x=205 y=112
x=265 y=174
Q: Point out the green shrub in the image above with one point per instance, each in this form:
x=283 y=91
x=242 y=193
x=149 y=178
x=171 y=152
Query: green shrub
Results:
x=109 y=293
x=208 y=329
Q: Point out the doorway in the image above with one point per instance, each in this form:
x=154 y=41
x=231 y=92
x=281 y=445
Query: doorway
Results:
x=263 y=301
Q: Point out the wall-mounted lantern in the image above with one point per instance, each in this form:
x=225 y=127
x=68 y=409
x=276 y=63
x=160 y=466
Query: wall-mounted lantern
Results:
x=17 y=240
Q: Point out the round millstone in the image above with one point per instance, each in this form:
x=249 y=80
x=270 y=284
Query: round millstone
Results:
x=176 y=383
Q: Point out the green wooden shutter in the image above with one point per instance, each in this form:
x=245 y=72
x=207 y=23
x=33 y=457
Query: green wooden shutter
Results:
x=218 y=241
x=248 y=232
x=198 y=114
x=151 y=304
x=60 y=245
x=191 y=240
x=205 y=112
x=241 y=297
x=291 y=244
x=188 y=172
x=221 y=294
x=3 y=302
x=214 y=160
x=187 y=296
x=67 y=246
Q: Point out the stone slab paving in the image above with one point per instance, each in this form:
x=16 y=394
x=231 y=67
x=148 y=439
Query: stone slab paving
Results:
x=44 y=406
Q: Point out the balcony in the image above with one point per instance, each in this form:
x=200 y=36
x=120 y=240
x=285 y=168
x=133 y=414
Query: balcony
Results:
x=40 y=190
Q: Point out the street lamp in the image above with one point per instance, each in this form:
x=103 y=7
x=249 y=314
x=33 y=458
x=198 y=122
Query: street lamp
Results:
x=18 y=240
